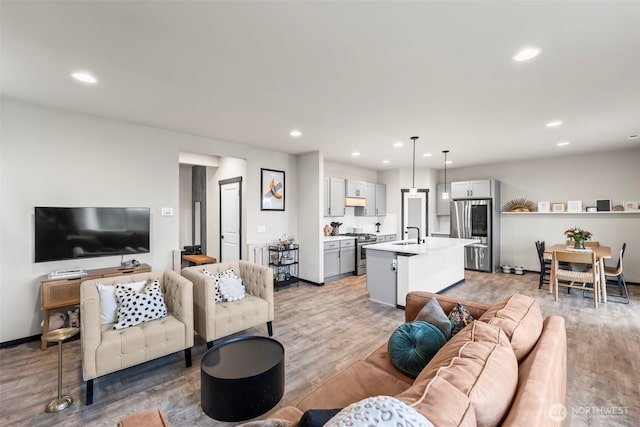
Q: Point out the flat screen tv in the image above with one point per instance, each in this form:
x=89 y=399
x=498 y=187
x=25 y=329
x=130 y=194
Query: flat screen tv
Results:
x=72 y=233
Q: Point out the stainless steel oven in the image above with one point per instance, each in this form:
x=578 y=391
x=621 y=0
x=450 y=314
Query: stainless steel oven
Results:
x=362 y=239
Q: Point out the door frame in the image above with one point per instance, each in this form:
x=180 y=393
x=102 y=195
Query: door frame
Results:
x=426 y=210
x=222 y=182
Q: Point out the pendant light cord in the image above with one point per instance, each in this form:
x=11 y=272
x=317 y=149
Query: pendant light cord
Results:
x=445 y=170
x=413 y=178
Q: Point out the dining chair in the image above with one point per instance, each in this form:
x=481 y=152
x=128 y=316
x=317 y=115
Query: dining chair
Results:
x=572 y=278
x=617 y=273
x=545 y=264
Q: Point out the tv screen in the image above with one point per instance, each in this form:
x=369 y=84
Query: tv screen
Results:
x=71 y=233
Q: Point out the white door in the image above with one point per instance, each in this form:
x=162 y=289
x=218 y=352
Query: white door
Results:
x=414 y=214
x=230 y=222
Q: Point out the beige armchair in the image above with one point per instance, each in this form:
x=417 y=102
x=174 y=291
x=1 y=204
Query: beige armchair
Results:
x=216 y=320
x=105 y=350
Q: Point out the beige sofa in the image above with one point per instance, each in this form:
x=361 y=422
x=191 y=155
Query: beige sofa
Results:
x=507 y=368
x=216 y=320
x=105 y=350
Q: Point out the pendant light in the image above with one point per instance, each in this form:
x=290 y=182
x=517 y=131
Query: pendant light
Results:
x=413 y=191
x=445 y=193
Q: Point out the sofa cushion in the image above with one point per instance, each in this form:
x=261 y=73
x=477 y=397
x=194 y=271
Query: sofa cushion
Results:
x=135 y=307
x=231 y=288
x=433 y=313
x=480 y=362
x=521 y=320
x=441 y=402
x=379 y=411
x=413 y=344
x=357 y=382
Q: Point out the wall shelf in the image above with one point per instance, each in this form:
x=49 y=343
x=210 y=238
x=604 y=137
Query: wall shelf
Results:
x=572 y=213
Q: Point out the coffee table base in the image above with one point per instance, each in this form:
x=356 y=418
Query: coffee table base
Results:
x=59 y=404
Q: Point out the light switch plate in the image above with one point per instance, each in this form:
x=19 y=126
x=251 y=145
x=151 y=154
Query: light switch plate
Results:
x=262 y=229
x=167 y=212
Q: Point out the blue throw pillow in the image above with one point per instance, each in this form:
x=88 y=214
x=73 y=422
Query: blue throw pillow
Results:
x=412 y=346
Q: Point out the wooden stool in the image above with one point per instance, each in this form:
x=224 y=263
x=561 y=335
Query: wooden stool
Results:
x=59 y=335
x=149 y=418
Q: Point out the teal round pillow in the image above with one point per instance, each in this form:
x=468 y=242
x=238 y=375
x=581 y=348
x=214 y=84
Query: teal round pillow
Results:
x=412 y=346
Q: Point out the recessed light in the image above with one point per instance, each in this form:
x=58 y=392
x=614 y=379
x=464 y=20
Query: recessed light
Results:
x=355 y=154
x=398 y=144
x=426 y=155
x=633 y=136
x=385 y=161
x=84 y=77
x=563 y=143
x=295 y=133
x=526 y=54
x=554 y=123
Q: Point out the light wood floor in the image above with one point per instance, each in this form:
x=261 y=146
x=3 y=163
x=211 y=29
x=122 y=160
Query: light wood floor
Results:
x=324 y=329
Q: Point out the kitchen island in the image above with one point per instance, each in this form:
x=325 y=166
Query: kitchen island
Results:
x=395 y=268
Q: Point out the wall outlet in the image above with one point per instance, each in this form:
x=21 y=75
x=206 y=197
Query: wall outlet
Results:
x=262 y=229
x=166 y=211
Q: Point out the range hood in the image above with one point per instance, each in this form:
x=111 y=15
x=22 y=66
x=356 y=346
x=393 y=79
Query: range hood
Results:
x=354 y=201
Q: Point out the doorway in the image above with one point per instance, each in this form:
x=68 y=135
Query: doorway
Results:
x=230 y=219
x=415 y=213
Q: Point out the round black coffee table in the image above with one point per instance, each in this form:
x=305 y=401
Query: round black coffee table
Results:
x=242 y=378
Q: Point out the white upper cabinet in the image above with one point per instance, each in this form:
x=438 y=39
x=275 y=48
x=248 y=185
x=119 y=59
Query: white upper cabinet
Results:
x=356 y=188
x=471 y=189
x=334 y=197
x=381 y=200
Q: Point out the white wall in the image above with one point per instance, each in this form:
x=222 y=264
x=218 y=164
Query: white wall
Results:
x=608 y=175
x=60 y=158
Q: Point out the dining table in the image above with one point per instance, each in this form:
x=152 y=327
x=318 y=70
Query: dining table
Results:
x=602 y=253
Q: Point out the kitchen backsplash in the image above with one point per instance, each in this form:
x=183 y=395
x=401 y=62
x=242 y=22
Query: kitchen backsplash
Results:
x=388 y=223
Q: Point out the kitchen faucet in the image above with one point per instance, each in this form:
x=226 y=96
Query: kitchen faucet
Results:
x=415 y=228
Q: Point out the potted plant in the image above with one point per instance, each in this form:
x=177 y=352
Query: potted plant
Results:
x=578 y=235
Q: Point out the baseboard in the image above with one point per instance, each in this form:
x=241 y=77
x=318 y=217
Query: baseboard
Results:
x=13 y=343
x=310 y=282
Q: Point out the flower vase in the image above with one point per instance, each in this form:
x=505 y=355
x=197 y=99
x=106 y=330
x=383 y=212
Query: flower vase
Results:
x=579 y=244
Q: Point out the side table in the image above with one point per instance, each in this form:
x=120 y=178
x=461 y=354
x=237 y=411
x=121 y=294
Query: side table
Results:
x=58 y=335
x=242 y=378
x=198 y=259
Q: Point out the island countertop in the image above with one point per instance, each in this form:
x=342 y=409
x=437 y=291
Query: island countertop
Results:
x=431 y=245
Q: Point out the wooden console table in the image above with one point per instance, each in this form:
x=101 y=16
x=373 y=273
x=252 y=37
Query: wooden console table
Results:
x=65 y=292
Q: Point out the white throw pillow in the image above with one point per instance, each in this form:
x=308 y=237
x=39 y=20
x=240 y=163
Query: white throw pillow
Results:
x=379 y=411
x=108 y=302
x=217 y=279
x=137 y=307
x=232 y=288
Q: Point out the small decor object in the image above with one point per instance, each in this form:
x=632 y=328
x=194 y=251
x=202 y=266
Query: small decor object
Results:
x=592 y=209
x=327 y=230
x=603 y=205
x=543 y=206
x=631 y=206
x=459 y=317
x=558 y=207
x=518 y=270
x=272 y=190
x=618 y=208
x=519 y=205
x=574 y=206
x=379 y=411
x=56 y=321
x=506 y=268
x=578 y=235
x=74 y=318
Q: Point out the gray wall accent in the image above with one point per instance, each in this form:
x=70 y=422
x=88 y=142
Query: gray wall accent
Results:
x=199 y=194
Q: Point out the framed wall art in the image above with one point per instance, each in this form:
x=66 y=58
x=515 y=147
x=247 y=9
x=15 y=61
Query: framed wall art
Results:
x=558 y=207
x=574 y=206
x=631 y=206
x=603 y=205
x=272 y=188
x=543 y=206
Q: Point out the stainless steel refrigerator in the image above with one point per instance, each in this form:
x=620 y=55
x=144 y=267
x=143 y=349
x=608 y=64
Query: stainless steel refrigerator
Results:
x=476 y=219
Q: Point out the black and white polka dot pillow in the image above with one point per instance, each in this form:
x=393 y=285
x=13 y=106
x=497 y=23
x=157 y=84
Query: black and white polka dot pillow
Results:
x=217 y=278
x=135 y=307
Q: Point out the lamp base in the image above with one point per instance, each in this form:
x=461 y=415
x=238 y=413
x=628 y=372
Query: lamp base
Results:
x=59 y=404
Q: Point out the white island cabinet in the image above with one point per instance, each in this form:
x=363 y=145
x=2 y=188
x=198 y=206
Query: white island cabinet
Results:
x=396 y=268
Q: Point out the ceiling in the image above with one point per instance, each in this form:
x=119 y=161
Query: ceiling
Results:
x=351 y=76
